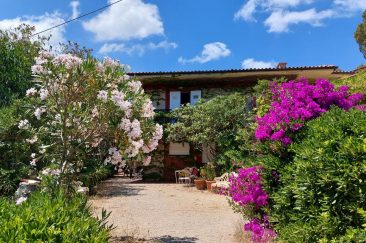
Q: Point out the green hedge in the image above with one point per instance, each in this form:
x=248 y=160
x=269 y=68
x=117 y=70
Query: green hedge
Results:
x=92 y=176
x=43 y=218
x=322 y=197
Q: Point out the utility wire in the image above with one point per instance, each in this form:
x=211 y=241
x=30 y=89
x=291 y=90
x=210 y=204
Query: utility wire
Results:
x=81 y=16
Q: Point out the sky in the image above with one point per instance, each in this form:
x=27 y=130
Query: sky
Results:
x=176 y=35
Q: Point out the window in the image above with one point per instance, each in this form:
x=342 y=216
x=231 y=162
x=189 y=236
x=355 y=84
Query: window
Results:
x=178 y=148
x=178 y=98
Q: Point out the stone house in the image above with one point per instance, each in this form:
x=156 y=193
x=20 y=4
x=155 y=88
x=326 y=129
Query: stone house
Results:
x=169 y=90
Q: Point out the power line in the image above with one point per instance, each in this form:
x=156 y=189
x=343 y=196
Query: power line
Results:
x=81 y=16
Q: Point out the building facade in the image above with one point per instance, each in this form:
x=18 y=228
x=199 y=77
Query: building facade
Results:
x=170 y=90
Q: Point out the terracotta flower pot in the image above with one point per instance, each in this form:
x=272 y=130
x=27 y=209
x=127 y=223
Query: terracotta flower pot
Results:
x=209 y=185
x=200 y=184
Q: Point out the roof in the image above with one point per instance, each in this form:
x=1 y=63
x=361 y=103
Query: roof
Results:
x=333 y=67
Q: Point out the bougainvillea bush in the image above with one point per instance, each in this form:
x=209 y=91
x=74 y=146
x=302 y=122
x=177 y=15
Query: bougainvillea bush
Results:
x=81 y=109
x=306 y=159
x=296 y=102
x=249 y=198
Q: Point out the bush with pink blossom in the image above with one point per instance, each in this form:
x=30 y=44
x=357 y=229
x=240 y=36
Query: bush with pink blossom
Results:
x=295 y=102
x=81 y=109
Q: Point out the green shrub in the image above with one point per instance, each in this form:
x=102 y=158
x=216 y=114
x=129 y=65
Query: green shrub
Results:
x=356 y=83
x=322 y=196
x=93 y=175
x=14 y=153
x=17 y=54
x=51 y=219
x=214 y=123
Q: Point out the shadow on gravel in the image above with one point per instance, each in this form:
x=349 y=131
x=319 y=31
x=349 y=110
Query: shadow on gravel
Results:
x=173 y=239
x=112 y=188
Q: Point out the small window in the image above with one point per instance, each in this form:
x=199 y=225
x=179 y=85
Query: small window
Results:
x=178 y=148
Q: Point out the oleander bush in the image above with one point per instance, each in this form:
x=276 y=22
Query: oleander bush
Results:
x=46 y=218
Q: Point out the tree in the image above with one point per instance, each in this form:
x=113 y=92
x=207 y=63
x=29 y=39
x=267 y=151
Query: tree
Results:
x=215 y=123
x=17 y=55
x=360 y=35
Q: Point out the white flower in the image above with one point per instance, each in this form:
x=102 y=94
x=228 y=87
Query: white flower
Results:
x=31 y=92
x=43 y=93
x=146 y=161
x=96 y=142
x=38 y=112
x=135 y=86
x=58 y=117
x=33 y=162
x=23 y=124
x=48 y=171
x=135 y=130
x=33 y=155
x=103 y=95
x=148 y=109
x=38 y=69
x=68 y=60
x=109 y=62
x=154 y=141
x=32 y=140
x=21 y=200
x=134 y=148
x=115 y=157
x=95 y=112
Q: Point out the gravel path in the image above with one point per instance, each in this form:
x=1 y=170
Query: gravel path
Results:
x=166 y=212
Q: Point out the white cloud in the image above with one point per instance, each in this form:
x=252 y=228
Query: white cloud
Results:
x=352 y=5
x=248 y=9
x=279 y=21
x=41 y=22
x=138 y=49
x=210 y=52
x=281 y=14
x=75 y=9
x=129 y=19
x=251 y=63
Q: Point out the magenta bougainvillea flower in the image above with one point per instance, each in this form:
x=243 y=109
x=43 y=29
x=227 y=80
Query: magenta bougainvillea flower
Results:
x=246 y=187
x=295 y=102
x=260 y=231
x=246 y=190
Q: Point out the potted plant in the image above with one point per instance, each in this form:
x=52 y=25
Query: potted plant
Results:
x=210 y=175
x=200 y=182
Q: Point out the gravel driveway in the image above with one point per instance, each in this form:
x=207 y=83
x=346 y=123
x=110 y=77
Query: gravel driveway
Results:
x=166 y=212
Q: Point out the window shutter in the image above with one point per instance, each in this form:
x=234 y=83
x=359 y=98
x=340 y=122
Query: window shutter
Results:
x=174 y=100
x=195 y=96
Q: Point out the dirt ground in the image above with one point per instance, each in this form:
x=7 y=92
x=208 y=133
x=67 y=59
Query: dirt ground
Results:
x=166 y=212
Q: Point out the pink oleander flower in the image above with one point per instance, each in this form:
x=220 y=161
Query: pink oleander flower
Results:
x=31 y=92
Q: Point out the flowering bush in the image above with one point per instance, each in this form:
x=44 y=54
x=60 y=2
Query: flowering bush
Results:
x=81 y=108
x=295 y=102
x=249 y=198
x=322 y=197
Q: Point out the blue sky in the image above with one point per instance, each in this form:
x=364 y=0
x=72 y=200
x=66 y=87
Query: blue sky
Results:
x=166 y=35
